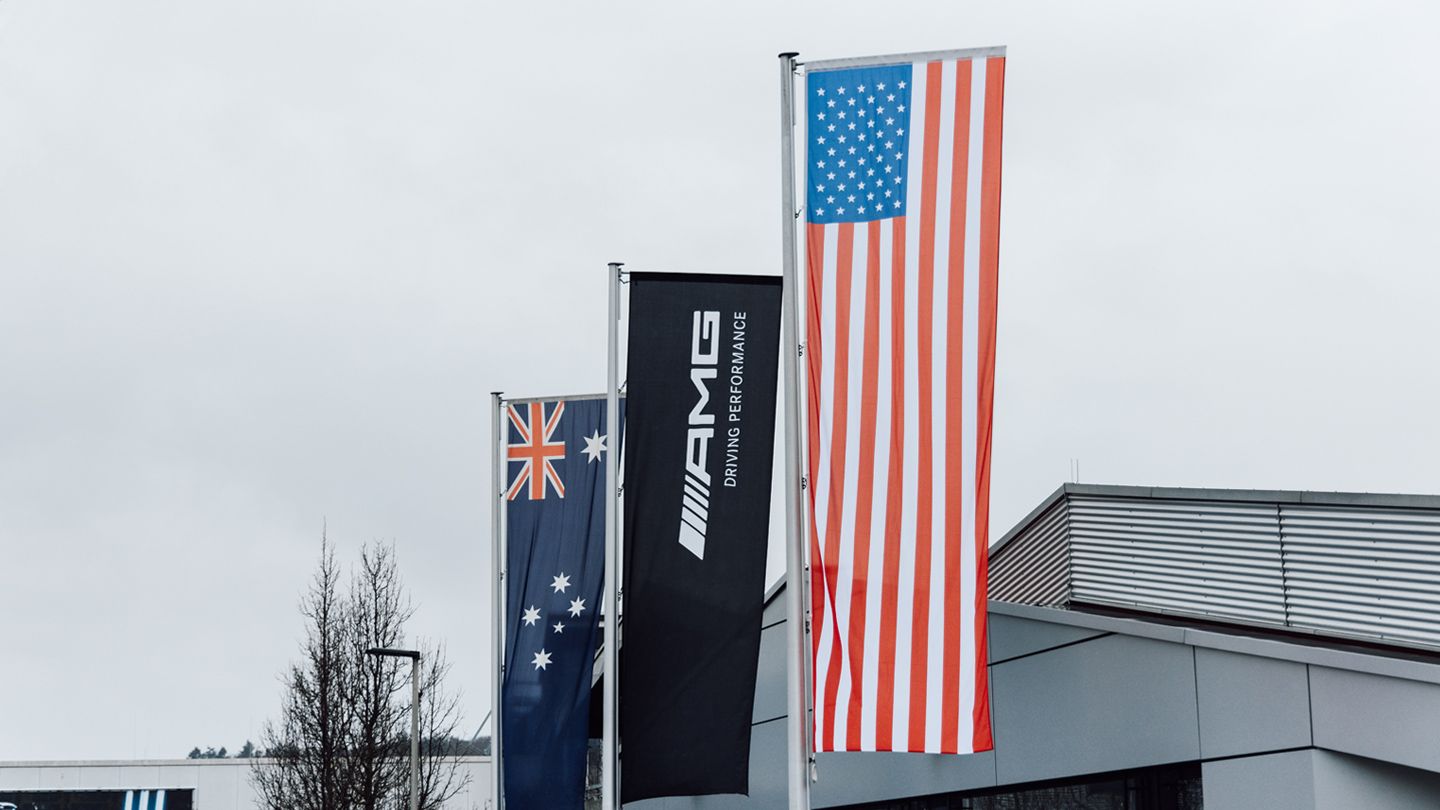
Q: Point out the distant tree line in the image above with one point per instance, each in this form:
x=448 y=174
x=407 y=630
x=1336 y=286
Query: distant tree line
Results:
x=452 y=746
x=246 y=751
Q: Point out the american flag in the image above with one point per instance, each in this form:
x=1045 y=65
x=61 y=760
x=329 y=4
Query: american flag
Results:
x=902 y=241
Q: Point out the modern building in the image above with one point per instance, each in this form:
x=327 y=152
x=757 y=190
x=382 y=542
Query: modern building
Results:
x=167 y=784
x=1173 y=649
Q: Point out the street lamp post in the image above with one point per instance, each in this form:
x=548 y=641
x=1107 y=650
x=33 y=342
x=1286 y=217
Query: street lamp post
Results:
x=414 y=656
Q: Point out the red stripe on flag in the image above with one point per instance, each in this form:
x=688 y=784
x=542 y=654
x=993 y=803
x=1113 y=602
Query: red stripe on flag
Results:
x=890 y=581
x=989 y=306
x=844 y=257
x=865 y=484
x=815 y=254
x=954 y=414
x=919 y=662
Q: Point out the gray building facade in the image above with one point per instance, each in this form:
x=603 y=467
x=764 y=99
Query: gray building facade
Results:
x=1169 y=649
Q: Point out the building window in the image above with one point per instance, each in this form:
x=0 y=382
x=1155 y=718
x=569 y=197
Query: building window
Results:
x=1165 y=788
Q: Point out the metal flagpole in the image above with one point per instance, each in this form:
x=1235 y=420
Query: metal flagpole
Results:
x=797 y=628
x=497 y=592
x=609 y=771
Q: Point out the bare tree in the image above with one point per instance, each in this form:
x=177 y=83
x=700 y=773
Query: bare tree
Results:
x=342 y=737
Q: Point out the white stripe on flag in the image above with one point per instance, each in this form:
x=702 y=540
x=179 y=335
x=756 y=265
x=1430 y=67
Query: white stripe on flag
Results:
x=969 y=409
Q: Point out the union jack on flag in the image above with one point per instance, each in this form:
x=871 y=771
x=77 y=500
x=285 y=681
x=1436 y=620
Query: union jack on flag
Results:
x=536 y=452
x=902 y=242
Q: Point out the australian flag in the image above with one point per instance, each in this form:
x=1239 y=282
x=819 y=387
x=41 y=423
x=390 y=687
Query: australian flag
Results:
x=555 y=501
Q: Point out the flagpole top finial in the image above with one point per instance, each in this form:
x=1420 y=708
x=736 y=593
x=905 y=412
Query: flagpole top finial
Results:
x=790 y=54
x=616 y=264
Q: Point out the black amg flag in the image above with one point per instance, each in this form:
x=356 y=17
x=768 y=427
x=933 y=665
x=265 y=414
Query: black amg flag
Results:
x=699 y=444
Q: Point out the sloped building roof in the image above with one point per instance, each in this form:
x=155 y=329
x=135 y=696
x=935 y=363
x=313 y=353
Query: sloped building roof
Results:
x=1344 y=566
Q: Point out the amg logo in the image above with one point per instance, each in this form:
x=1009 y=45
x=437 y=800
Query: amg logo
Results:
x=695 y=500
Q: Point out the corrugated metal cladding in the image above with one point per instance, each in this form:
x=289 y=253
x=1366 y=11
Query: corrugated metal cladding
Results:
x=1213 y=559
x=1358 y=569
x=1035 y=569
x=1370 y=572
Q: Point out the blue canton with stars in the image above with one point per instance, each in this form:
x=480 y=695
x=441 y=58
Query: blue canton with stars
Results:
x=858 y=131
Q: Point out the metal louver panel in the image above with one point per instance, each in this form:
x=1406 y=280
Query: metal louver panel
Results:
x=1209 y=558
x=1347 y=565
x=1035 y=569
x=1372 y=572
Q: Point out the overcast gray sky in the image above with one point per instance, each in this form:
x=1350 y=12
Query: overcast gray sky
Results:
x=261 y=262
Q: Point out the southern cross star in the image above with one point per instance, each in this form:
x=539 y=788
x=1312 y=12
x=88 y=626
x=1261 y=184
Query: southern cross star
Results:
x=560 y=583
x=594 y=445
x=559 y=627
x=532 y=615
x=577 y=606
x=542 y=659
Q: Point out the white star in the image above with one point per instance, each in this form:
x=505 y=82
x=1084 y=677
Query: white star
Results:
x=594 y=445
x=532 y=615
x=819 y=91
x=901 y=85
x=819 y=212
x=879 y=85
x=542 y=659
x=841 y=91
x=830 y=103
x=560 y=583
x=860 y=88
x=559 y=627
x=577 y=606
